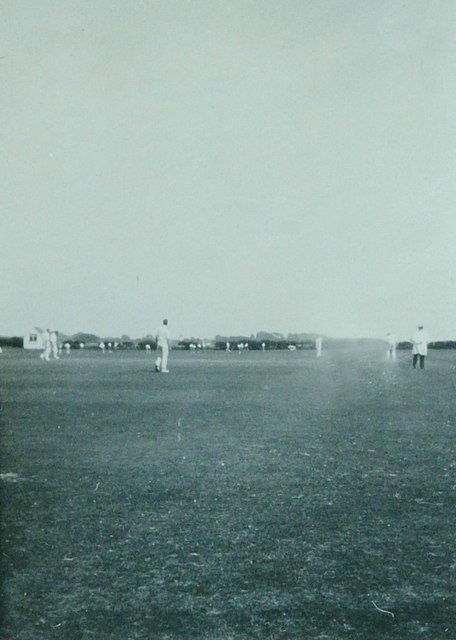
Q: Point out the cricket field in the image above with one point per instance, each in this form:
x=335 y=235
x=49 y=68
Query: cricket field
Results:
x=261 y=496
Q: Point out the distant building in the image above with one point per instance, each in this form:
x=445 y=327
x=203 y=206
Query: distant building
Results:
x=33 y=340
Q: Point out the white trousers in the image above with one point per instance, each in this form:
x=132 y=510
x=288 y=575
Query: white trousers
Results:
x=163 y=346
x=46 y=352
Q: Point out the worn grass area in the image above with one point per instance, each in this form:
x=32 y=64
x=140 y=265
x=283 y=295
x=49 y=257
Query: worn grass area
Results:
x=261 y=496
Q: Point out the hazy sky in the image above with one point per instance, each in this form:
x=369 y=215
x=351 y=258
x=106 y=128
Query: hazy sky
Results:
x=235 y=166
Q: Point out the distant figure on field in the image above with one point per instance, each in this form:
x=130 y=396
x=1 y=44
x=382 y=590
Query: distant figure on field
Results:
x=46 y=345
x=67 y=347
x=147 y=347
x=391 y=347
x=227 y=347
x=263 y=346
x=53 y=344
x=102 y=347
x=240 y=347
x=162 y=338
x=420 y=341
x=318 y=345
x=109 y=347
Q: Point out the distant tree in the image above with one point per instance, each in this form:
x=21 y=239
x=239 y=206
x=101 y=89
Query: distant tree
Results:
x=443 y=344
x=185 y=343
x=13 y=341
x=75 y=344
x=150 y=341
x=301 y=337
x=128 y=344
x=262 y=336
x=85 y=337
x=254 y=345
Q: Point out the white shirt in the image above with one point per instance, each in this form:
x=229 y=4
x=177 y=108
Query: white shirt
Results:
x=163 y=335
x=420 y=342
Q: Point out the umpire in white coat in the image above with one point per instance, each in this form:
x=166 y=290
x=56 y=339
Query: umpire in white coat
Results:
x=420 y=341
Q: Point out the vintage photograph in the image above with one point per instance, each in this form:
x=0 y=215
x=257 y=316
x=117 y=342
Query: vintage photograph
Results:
x=228 y=320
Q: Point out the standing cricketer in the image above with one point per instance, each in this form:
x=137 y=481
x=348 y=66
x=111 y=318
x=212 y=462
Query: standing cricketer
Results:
x=162 y=338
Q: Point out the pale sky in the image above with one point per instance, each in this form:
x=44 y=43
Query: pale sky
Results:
x=235 y=166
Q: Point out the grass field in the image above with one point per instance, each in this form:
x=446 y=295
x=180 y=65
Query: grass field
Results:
x=263 y=496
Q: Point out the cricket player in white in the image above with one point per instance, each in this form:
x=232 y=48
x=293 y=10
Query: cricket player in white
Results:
x=391 y=348
x=53 y=344
x=420 y=341
x=318 y=345
x=162 y=338
x=46 y=345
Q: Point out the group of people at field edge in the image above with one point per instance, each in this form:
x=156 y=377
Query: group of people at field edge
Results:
x=50 y=345
x=107 y=347
x=419 y=340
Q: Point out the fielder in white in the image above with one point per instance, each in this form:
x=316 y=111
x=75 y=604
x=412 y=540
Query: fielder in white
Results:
x=420 y=341
x=318 y=345
x=391 y=347
x=46 y=345
x=53 y=344
x=162 y=338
